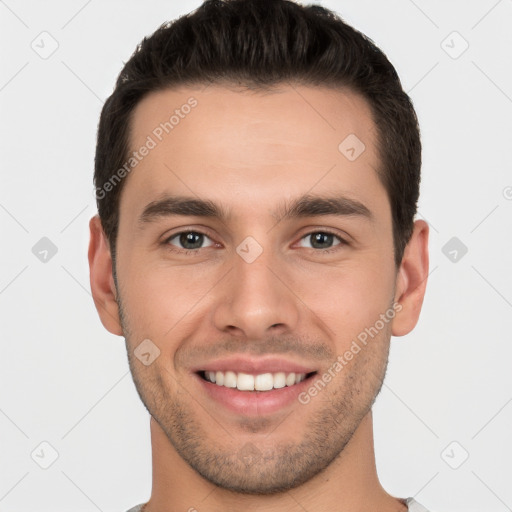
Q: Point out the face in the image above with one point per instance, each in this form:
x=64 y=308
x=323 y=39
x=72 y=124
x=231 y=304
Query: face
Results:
x=253 y=250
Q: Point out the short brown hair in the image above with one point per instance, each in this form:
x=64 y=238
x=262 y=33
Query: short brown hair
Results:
x=260 y=44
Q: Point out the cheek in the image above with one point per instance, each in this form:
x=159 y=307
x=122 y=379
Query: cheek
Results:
x=351 y=299
x=158 y=298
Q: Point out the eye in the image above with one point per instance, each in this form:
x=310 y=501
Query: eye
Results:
x=189 y=240
x=321 y=240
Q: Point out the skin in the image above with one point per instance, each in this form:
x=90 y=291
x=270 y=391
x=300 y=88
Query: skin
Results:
x=252 y=153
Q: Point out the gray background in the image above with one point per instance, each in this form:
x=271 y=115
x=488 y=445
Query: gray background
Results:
x=65 y=380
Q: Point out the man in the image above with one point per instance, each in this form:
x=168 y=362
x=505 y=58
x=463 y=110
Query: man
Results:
x=257 y=174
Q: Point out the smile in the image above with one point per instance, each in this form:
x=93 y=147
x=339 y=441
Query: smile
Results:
x=253 y=394
x=249 y=382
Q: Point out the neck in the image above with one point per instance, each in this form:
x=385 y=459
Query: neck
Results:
x=349 y=484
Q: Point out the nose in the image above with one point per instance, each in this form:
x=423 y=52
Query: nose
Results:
x=256 y=300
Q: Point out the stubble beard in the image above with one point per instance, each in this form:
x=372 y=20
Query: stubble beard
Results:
x=245 y=467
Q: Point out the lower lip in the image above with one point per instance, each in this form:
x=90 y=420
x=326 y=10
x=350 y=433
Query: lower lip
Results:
x=254 y=403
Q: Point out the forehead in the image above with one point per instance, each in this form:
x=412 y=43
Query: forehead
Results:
x=216 y=110
x=215 y=140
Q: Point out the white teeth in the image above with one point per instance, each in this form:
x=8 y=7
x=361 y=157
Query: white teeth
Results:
x=247 y=382
x=230 y=379
x=279 y=380
x=263 y=382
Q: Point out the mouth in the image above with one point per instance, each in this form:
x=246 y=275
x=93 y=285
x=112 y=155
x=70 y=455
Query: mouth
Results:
x=254 y=382
x=254 y=393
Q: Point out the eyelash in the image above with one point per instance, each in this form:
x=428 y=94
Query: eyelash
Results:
x=195 y=252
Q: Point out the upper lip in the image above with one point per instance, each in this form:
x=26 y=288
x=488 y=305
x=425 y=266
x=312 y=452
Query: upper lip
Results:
x=253 y=365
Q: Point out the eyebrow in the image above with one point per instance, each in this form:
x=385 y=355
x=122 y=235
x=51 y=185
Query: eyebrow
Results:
x=305 y=206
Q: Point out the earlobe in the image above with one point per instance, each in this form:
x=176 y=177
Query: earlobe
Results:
x=101 y=278
x=412 y=280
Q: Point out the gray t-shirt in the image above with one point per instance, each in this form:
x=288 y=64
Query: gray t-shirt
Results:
x=413 y=505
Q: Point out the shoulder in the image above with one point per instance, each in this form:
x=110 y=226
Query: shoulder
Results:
x=414 y=506
x=138 y=508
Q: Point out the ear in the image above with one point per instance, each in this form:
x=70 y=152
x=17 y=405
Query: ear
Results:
x=411 y=280
x=102 y=281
